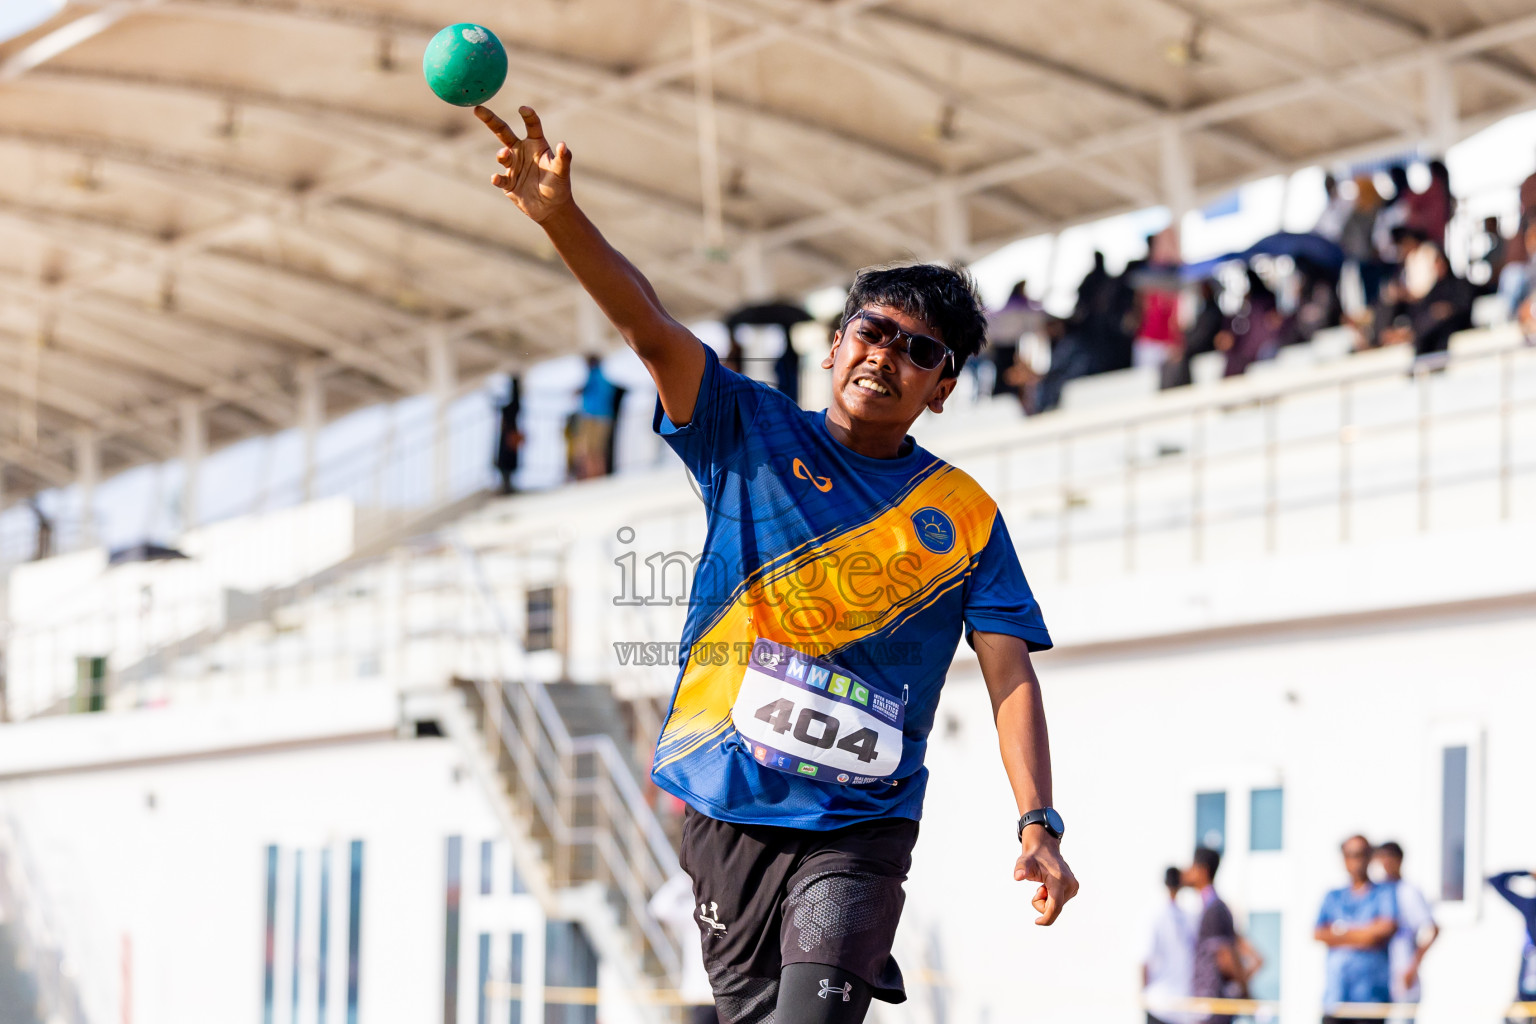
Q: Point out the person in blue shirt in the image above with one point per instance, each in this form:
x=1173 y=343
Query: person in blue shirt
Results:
x=842 y=565
x=1525 y=985
x=1356 y=923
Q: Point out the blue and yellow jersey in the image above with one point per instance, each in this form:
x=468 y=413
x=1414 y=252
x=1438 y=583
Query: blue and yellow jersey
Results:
x=874 y=565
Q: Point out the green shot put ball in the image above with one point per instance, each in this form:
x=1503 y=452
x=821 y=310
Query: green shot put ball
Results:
x=465 y=64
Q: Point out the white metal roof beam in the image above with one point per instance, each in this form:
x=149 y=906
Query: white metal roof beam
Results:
x=1519 y=78
x=1148 y=132
x=1061 y=74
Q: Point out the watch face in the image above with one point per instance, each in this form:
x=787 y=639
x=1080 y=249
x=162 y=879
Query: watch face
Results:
x=1053 y=822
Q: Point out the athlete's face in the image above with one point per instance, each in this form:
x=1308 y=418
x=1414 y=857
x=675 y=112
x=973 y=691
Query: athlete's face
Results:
x=882 y=386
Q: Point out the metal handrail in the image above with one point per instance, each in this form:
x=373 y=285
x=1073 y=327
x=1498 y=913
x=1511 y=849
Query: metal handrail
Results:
x=536 y=725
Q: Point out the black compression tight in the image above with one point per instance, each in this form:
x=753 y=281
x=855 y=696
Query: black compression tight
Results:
x=817 y=994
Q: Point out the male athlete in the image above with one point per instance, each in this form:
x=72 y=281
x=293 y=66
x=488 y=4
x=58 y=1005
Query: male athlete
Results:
x=840 y=565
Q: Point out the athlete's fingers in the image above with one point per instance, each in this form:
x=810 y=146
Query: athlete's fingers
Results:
x=498 y=127
x=506 y=156
x=1049 y=907
x=562 y=160
x=502 y=181
x=531 y=123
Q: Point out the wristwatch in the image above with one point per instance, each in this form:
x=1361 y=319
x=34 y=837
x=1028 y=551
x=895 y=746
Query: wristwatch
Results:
x=1046 y=818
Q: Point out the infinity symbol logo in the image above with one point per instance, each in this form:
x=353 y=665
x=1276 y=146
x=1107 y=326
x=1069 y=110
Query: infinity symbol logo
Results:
x=821 y=483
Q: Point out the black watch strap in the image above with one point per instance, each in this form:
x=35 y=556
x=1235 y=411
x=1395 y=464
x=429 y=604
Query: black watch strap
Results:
x=1046 y=818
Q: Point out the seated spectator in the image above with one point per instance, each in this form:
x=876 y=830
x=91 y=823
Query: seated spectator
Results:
x=1433 y=303
x=1253 y=332
x=1317 y=305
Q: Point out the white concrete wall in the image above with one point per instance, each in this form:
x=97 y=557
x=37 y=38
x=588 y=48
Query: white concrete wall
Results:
x=169 y=859
x=1349 y=720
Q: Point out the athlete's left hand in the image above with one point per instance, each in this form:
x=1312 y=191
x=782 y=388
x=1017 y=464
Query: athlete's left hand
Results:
x=1040 y=861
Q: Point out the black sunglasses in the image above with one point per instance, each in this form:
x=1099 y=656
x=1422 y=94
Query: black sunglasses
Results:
x=882 y=332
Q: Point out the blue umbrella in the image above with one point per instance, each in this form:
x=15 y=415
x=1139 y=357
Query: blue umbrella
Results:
x=1313 y=249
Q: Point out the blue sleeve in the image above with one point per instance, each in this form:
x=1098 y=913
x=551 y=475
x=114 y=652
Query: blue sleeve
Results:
x=1500 y=882
x=1328 y=913
x=998 y=598
x=722 y=416
x=1386 y=906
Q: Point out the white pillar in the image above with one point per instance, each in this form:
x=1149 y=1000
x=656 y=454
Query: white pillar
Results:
x=589 y=325
x=1178 y=175
x=953 y=225
x=194 y=442
x=443 y=377
x=1440 y=103
x=756 y=274
x=87 y=476
x=311 y=419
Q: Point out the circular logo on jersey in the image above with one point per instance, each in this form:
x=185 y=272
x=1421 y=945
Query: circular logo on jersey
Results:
x=935 y=530
x=842 y=777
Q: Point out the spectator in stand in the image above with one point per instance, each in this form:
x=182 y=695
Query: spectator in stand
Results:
x=1336 y=213
x=1006 y=327
x=1096 y=339
x=1416 y=928
x=1224 y=961
x=1253 y=333
x=1490 y=253
x=1158 y=337
x=1201 y=335
x=1356 y=923
x=509 y=439
x=1168 y=970
x=1394 y=214
x=1431 y=305
x=1528 y=200
x=1431 y=210
x=1525 y=984
x=1356 y=239
x=592 y=433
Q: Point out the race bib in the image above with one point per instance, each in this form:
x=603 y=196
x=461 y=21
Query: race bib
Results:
x=814 y=719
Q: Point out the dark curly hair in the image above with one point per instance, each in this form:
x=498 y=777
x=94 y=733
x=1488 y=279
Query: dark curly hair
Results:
x=945 y=297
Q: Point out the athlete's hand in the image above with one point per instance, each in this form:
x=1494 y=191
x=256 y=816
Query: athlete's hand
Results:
x=1040 y=861
x=537 y=178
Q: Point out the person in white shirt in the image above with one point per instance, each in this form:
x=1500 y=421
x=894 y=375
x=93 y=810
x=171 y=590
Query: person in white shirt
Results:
x=1416 y=928
x=1168 y=971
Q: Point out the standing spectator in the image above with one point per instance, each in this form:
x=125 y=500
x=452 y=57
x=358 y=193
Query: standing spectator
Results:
x=1356 y=922
x=1416 y=928
x=1525 y=985
x=1393 y=215
x=1168 y=970
x=1200 y=338
x=1158 y=337
x=592 y=437
x=1357 y=238
x=1330 y=224
x=1491 y=253
x=1223 y=959
x=509 y=439
x=1431 y=210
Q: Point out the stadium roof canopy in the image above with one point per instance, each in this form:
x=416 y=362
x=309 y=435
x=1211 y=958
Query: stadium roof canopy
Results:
x=221 y=216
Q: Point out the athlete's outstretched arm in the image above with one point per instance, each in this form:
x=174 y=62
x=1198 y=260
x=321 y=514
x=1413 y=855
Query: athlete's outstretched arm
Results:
x=1020 y=716
x=538 y=179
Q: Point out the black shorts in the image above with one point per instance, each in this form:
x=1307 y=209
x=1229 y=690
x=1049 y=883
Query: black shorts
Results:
x=770 y=896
